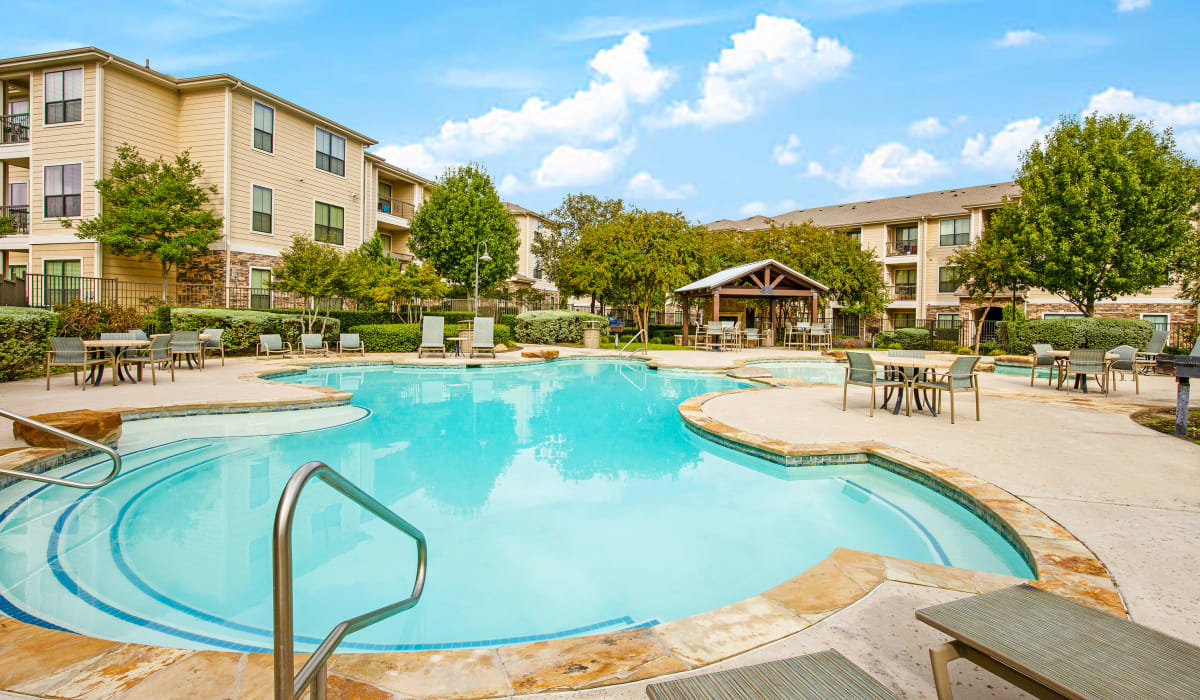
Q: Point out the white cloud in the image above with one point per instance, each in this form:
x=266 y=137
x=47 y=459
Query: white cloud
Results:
x=776 y=55
x=646 y=186
x=1017 y=37
x=815 y=169
x=892 y=165
x=415 y=157
x=785 y=153
x=593 y=114
x=567 y=166
x=927 y=128
x=1131 y=5
x=1183 y=118
x=603 y=27
x=1002 y=150
x=763 y=208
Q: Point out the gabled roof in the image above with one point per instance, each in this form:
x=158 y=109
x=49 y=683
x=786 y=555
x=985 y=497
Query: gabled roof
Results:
x=736 y=272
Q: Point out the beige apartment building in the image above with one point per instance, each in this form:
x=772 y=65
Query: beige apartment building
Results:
x=915 y=235
x=529 y=270
x=279 y=169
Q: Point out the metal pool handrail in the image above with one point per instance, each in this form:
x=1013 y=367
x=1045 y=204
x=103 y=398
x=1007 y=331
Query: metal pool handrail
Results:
x=112 y=454
x=315 y=670
x=637 y=335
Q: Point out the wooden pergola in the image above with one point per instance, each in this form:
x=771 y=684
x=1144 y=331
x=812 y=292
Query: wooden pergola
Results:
x=766 y=279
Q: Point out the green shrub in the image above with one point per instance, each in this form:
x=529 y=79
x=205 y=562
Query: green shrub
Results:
x=913 y=338
x=1068 y=333
x=895 y=346
x=406 y=337
x=26 y=337
x=963 y=351
x=242 y=327
x=1009 y=310
x=509 y=320
x=549 y=327
x=944 y=345
x=87 y=319
x=162 y=320
x=885 y=338
x=997 y=352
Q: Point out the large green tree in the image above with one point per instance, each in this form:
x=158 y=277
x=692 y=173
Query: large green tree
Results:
x=1186 y=266
x=463 y=211
x=1105 y=204
x=316 y=271
x=992 y=267
x=561 y=234
x=153 y=210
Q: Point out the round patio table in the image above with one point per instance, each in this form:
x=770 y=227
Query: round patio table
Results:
x=1062 y=357
x=913 y=363
x=115 y=347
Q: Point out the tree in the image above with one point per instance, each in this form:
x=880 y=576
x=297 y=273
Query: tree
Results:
x=992 y=266
x=566 y=222
x=1186 y=266
x=464 y=210
x=1105 y=203
x=396 y=287
x=153 y=210
x=316 y=271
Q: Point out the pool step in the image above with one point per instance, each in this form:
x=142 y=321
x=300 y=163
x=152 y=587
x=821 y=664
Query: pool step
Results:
x=645 y=623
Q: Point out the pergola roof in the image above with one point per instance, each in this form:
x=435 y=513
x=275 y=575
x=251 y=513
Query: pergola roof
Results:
x=744 y=273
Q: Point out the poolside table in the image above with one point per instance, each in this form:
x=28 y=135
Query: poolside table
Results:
x=1052 y=647
x=1062 y=357
x=115 y=346
x=913 y=363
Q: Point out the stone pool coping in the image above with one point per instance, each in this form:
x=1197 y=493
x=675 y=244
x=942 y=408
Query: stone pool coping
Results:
x=42 y=661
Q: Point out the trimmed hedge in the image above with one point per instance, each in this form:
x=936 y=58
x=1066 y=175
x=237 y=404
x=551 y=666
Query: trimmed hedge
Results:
x=550 y=327
x=1068 y=333
x=242 y=327
x=406 y=337
x=26 y=337
x=913 y=338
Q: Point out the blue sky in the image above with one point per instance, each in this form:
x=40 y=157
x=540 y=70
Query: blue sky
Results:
x=717 y=109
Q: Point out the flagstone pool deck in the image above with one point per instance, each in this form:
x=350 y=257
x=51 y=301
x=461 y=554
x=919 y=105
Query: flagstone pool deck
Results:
x=1109 y=509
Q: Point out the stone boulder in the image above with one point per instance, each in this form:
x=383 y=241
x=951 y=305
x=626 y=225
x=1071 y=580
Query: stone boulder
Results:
x=101 y=426
x=835 y=353
x=500 y=347
x=540 y=354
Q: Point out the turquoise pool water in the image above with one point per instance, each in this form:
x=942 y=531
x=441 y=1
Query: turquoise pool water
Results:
x=808 y=370
x=558 y=499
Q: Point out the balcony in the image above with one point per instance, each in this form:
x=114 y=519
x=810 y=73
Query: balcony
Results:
x=19 y=217
x=905 y=292
x=14 y=128
x=398 y=208
x=899 y=247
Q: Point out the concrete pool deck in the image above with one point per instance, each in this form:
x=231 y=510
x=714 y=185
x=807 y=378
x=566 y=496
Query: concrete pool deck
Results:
x=1129 y=494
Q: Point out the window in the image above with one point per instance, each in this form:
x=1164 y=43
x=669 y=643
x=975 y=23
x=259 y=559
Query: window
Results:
x=905 y=276
x=385 y=244
x=264 y=128
x=956 y=231
x=947 y=279
x=1062 y=314
x=948 y=320
x=904 y=320
x=61 y=283
x=1161 y=322
x=18 y=107
x=62 y=188
x=64 y=96
x=16 y=272
x=855 y=233
x=330 y=223
x=904 y=240
x=331 y=153
x=260 y=288
x=261 y=209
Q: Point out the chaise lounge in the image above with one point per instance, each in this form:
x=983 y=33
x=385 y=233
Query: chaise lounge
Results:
x=433 y=336
x=820 y=676
x=482 y=340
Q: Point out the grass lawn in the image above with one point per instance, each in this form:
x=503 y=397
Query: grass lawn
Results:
x=1163 y=420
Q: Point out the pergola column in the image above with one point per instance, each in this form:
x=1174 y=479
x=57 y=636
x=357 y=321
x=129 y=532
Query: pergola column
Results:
x=684 y=302
x=716 y=309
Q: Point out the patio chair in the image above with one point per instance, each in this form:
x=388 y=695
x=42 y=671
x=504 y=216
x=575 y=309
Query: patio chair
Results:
x=1084 y=362
x=270 y=344
x=70 y=352
x=797 y=334
x=825 y=674
x=714 y=334
x=820 y=337
x=313 y=344
x=959 y=378
x=138 y=334
x=909 y=374
x=861 y=371
x=157 y=353
x=752 y=338
x=350 y=342
x=1125 y=362
x=186 y=345
x=1042 y=357
x=1146 y=360
x=482 y=339
x=433 y=336
x=214 y=343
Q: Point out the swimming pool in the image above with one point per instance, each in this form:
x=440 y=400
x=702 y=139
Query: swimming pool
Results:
x=558 y=499
x=818 y=371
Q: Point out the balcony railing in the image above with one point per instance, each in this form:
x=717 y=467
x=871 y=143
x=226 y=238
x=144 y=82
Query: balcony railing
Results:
x=14 y=128
x=19 y=216
x=396 y=207
x=901 y=247
x=48 y=291
x=905 y=292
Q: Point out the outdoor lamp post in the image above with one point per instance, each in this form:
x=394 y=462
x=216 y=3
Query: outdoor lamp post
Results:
x=485 y=257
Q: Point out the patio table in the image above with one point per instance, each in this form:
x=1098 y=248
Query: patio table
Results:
x=116 y=346
x=913 y=363
x=1062 y=357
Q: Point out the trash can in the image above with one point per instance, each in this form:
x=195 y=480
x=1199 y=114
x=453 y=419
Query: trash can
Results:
x=591 y=338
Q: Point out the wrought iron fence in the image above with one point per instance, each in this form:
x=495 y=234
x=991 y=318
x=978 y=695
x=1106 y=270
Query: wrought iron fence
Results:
x=396 y=207
x=48 y=291
x=14 y=128
x=19 y=216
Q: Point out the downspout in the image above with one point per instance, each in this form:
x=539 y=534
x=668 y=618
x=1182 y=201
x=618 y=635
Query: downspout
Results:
x=228 y=183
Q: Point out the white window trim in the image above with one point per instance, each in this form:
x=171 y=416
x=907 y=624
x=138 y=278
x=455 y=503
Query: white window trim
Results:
x=273 y=129
x=250 y=283
x=949 y=313
x=82 y=98
x=970 y=233
x=1156 y=313
x=345 y=159
x=42 y=209
x=345 y=228
x=265 y=187
x=1063 y=314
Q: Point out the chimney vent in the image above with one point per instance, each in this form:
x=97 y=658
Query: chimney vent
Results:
x=147 y=63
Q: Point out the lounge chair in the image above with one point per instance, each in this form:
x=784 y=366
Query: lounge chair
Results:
x=186 y=345
x=960 y=377
x=1084 y=362
x=313 y=344
x=214 y=343
x=1043 y=357
x=819 y=676
x=482 y=339
x=350 y=342
x=433 y=336
x=270 y=344
x=1052 y=647
x=861 y=371
x=70 y=352
x=157 y=353
x=1126 y=362
x=1146 y=360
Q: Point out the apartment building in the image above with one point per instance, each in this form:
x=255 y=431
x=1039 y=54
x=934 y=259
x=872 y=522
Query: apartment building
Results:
x=529 y=270
x=915 y=236
x=279 y=169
